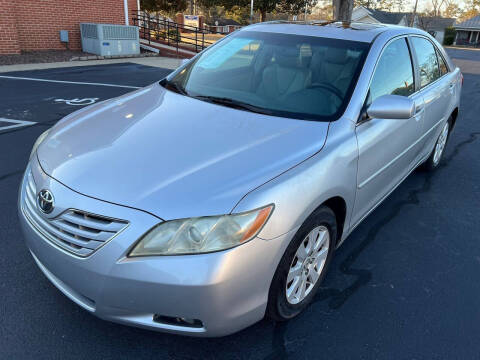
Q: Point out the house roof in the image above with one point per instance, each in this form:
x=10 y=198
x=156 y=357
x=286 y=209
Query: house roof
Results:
x=435 y=22
x=470 y=23
x=386 y=17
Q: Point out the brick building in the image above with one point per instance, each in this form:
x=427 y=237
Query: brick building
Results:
x=27 y=25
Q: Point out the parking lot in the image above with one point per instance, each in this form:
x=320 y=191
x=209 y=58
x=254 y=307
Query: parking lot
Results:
x=404 y=285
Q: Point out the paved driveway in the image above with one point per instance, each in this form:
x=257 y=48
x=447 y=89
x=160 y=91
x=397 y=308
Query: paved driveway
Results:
x=404 y=285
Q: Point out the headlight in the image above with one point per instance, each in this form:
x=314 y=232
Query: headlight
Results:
x=38 y=142
x=202 y=234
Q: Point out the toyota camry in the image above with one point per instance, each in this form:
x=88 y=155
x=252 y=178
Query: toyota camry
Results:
x=217 y=196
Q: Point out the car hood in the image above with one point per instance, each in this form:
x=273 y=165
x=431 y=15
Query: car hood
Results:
x=171 y=155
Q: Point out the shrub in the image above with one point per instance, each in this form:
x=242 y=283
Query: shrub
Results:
x=449 y=36
x=174 y=35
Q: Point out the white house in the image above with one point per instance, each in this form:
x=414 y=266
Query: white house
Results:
x=435 y=25
x=363 y=14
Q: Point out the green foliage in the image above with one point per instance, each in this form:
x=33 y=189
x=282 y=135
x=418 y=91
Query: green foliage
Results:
x=449 y=36
x=174 y=35
x=262 y=6
x=169 y=7
x=387 y=5
x=239 y=14
x=158 y=34
x=296 y=7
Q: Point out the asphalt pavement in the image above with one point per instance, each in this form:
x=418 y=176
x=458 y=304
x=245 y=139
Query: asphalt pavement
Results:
x=405 y=284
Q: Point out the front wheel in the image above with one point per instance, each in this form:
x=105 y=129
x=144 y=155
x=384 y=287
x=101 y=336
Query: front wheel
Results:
x=434 y=159
x=303 y=266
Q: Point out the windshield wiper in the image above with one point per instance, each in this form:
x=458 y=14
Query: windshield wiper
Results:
x=236 y=104
x=170 y=85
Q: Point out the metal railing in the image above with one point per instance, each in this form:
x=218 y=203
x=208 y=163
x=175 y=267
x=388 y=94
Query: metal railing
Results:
x=162 y=30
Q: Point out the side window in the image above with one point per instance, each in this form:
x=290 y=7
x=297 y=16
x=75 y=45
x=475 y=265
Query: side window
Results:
x=427 y=60
x=442 y=65
x=394 y=72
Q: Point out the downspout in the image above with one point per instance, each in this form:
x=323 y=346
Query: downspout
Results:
x=125 y=7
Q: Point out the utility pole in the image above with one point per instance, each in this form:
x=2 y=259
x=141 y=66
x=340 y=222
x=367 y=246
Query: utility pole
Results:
x=191 y=7
x=306 y=5
x=251 y=12
x=414 y=14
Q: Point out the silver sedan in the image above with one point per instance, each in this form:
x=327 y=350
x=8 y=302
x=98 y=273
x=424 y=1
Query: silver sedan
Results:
x=205 y=201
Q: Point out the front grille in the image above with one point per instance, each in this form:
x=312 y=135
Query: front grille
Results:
x=76 y=231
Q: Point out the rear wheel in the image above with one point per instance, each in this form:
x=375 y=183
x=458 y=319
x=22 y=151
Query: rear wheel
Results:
x=437 y=153
x=303 y=266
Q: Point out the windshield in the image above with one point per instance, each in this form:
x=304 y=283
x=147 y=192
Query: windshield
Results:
x=301 y=77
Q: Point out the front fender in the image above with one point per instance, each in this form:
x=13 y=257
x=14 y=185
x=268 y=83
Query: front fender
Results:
x=299 y=191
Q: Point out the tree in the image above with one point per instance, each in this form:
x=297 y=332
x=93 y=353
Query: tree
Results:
x=399 y=5
x=452 y=10
x=472 y=8
x=387 y=5
x=295 y=7
x=240 y=14
x=262 y=6
x=371 y=4
x=169 y=7
x=323 y=10
x=436 y=5
x=425 y=21
x=342 y=10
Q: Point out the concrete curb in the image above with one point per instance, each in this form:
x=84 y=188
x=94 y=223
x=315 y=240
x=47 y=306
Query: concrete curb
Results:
x=107 y=57
x=461 y=48
x=155 y=61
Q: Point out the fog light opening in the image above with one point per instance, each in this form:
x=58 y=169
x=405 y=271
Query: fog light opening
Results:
x=177 y=321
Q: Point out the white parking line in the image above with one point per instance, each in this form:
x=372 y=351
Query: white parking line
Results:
x=17 y=123
x=68 y=82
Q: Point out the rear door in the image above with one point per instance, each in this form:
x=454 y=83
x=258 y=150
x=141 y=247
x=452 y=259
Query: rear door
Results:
x=436 y=86
x=388 y=148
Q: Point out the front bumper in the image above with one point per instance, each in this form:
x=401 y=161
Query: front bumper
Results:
x=227 y=290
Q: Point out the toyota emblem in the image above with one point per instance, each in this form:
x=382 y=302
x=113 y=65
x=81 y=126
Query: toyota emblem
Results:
x=45 y=201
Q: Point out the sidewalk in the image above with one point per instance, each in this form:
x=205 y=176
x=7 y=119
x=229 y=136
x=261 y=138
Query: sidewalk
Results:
x=162 y=62
x=461 y=47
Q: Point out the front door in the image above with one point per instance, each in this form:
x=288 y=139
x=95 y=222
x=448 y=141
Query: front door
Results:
x=388 y=149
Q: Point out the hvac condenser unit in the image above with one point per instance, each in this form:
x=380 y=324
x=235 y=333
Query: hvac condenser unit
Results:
x=109 y=39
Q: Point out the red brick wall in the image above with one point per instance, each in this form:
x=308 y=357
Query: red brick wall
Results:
x=38 y=22
x=8 y=29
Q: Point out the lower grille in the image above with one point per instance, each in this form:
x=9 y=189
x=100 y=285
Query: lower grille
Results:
x=76 y=231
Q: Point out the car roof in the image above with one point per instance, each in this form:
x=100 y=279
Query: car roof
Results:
x=356 y=31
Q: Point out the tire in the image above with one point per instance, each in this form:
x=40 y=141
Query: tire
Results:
x=436 y=155
x=320 y=225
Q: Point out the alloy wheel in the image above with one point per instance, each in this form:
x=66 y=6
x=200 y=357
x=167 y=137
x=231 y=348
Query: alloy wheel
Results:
x=440 y=145
x=307 y=264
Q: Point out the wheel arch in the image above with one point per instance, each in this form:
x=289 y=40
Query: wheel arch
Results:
x=339 y=207
x=454 y=116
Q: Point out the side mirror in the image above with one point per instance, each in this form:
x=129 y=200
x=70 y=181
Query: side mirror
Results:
x=391 y=107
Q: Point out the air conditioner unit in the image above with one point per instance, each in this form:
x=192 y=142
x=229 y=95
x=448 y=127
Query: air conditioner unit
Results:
x=109 y=39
